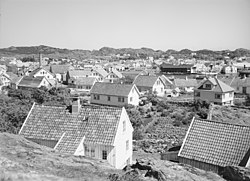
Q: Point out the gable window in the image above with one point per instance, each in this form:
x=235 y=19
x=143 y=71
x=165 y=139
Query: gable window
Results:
x=131 y=99
x=96 y=97
x=120 y=99
x=92 y=152
x=127 y=145
x=124 y=125
x=208 y=86
x=217 y=96
x=104 y=155
x=133 y=90
x=108 y=98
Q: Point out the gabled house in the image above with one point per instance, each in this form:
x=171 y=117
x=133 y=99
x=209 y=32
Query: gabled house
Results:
x=215 y=91
x=93 y=131
x=186 y=85
x=4 y=80
x=211 y=145
x=229 y=69
x=33 y=82
x=83 y=84
x=39 y=72
x=60 y=71
x=150 y=84
x=114 y=94
x=113 y=75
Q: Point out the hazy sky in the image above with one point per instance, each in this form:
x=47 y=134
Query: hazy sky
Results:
x=157 y=24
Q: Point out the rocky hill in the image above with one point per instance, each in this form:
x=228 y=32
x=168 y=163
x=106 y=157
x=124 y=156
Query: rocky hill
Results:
x=52 y=52
x=21 y=159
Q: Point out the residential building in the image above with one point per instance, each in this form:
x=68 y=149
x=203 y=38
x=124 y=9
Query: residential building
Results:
x=211 y=145
x=4 y=80
x=114 y=94
x=186 y=85
x=113 y=75
x=83 y=84
x=150 y=84
x=229 y=69
x=33 y=82
x=93 y=131
x=182 y=68
x=60 y=71
x=215 y=91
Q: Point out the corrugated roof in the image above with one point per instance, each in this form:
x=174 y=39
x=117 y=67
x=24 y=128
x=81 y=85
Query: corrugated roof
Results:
x=111 y=89
x=98 y=124
x=145 y=80
x=216 y=143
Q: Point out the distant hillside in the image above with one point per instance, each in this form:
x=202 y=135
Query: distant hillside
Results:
x=78 y=54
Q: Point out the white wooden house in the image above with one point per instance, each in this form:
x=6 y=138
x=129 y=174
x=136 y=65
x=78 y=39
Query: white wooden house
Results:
x=93 y=131
x=114 y=94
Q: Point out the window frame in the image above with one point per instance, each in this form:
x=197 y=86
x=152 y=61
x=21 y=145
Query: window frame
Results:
x=104 y=154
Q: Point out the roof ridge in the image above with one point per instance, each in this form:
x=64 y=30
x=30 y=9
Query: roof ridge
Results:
x=234 y=124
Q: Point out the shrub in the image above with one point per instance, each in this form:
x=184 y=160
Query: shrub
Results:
x=137 y=134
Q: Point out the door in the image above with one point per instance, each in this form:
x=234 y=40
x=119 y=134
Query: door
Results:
x=244 y=90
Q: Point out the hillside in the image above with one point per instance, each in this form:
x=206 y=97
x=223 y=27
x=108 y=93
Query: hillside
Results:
x=78 y=54
x=21 y=159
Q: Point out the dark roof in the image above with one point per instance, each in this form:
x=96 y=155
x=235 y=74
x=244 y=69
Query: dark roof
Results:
x=166 y=65
x=145 y=80
x=59 y=69
x=216 y=143
x=111 y=89
x=98 y=124
x=28 y=81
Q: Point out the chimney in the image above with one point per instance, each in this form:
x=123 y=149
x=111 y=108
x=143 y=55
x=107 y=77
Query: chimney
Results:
x=76 y=106
x=40 y=59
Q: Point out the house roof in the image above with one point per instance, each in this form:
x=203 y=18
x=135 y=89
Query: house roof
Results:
x=13 y=77
x=219 y=86
x=145 y=80
x=117 y=73
x=59 y=69
x=101 y=71
x=79 y=73
x=34 y=72
x=85 y=80
x=185 y=82
x=216 y=143
x=112 y=89
x=166 y=80
x=98 y=124
x=166 y=65
x=28 y=81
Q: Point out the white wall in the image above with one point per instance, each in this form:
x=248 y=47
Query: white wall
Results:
x=159 y=88
x=135 y=97
x=122 y=155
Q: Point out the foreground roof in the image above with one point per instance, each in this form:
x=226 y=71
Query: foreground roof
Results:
x=111 y=89
x=96 y=124
x=216 y=143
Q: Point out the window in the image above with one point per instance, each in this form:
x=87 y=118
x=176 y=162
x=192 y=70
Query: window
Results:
x=133 y=90
x=197 y=94
x=92 y=152
x=87 y=151
x=120 y=99
x=104 y=154
x=208 y=86
x=217 y=96
x=127 y=145
x=244 y=90
x=131 y=99
x=97 y=97
x=88 y=87
x=161 y=89
x=124 y=125
x=108 y=98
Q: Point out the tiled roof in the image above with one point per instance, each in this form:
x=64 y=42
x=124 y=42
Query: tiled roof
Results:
x=28 y=81
x=85 y=80
x=185 y=82
x=145 y=80
x=98 y=124
x=216 y=143
x=111 y=89
x=59 y=69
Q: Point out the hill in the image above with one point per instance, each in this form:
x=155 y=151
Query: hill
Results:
x=144 y=52
x=21 y=159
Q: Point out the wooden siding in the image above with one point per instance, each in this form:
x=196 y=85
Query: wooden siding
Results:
x=48 y=143
x=200 y=165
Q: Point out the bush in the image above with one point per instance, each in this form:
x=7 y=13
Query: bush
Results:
x=137 y=134
x=177 y=123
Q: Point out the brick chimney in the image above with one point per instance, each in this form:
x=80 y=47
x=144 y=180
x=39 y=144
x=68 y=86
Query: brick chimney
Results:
x=76 y=106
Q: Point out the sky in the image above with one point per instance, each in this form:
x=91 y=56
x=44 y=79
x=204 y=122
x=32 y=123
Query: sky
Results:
x=156 y=24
